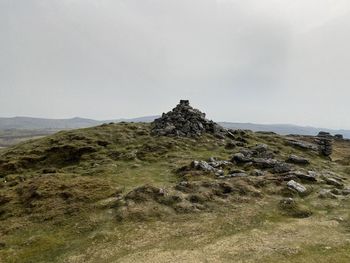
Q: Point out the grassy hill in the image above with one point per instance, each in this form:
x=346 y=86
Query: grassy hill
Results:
x=114 y=193
x=17 y=129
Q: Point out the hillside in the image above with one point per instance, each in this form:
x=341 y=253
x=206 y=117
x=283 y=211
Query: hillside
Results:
x=120 y=193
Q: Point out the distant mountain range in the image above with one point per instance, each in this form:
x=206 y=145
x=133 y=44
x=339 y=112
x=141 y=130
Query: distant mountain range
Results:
x=27 y=123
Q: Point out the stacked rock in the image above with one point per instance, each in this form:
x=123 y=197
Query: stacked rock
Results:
x=339 y=136
x=185 y=121
x=325 y=143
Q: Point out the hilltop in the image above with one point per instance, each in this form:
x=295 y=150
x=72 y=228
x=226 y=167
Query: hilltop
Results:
x=180 y=189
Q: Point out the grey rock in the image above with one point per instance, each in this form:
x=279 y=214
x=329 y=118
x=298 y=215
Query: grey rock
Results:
x=297 y=160
x=219 y=164
x=326 y=194
x=261 y=151
x=302 y=145
x=265 y=163
x=325 y=144
x=346 y=191
x=202 y=165
x=310 y=176
x=241 y=158
x=282 y=167
x=339 y=136
x=237 y=175
x=324 y=134
x=219 y=173
x=293 y=185
x=332 y=181
x=236 y=171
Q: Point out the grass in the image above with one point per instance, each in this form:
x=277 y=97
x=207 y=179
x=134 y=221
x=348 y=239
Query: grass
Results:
x=57 y=203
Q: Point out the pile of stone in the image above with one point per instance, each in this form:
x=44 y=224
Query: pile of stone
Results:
x=325 y=143
x=185 y=121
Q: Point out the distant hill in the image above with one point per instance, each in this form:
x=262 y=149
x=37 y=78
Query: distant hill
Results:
x=27 y=123
x=284 y=129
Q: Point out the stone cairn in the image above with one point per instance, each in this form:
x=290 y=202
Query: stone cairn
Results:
x=325 y=143
x=185 y=121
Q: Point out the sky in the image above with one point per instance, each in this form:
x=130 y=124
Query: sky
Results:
x=260 y=61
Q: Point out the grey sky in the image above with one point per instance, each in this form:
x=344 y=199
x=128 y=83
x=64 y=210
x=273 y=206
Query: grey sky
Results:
x=263 y=61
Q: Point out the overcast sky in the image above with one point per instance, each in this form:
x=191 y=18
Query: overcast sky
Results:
x=262 y=61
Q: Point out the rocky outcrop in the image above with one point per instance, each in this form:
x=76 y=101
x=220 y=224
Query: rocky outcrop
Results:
x=185 y=121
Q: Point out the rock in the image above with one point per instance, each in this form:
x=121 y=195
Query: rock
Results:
x=185 y=121
x=297 y=160
x=262 y=151
x=231 y=145
x=324 y=134
x=236 y=171
x=336 y=191
x=296 y=187
x=325 y=194
x=219 y=173
x=325 y=143
x=332 y=181
x=265 y=163
x=339 y=137
x=257 y=172
x=241 y=158
x=282 y=167
x=219 y=164
x=346 y=191
x=202 y=165
x=302 y=144
x=237 y=175
x=310 y=176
